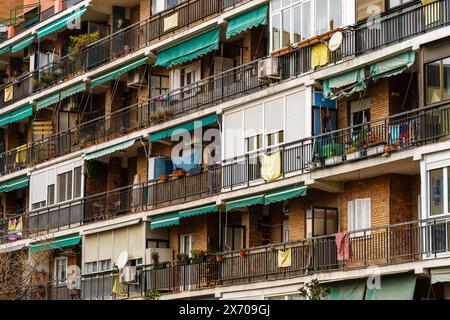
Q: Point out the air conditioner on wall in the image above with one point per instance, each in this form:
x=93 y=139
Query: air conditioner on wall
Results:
x=129 y=274
x=135 y=78
x=268 y=69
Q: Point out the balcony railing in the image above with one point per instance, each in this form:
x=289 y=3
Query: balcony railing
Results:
x=380 y=246
x=119 y=44
x=14 y=227
x=53 y=290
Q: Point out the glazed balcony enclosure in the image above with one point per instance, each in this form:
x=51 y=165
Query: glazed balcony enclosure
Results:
x=386 y=245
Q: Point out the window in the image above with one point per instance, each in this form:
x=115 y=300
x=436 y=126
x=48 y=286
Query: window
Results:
x=90 y=267
x=38 y=205
x=254 y=143
x=359 y=215
x=97 y=266
x=437 y=77
x=234 y=238
x=187 y=244
x=321 y=221
x=51 y=194
x=155 y=243
x=275 y=138
x=436 y=191
x=285 y=230
x=65 y=186
x=61 y=270
x=104 y=265
x=77 y=172
x=395 y=3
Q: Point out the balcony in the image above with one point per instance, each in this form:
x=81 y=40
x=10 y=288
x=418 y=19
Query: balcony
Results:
x=381 y=246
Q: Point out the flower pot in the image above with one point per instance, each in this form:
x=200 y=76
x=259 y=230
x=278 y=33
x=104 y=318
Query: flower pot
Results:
x=371 y=151
x=198 y=259
x=333 y=160
x=181 y=262
x=219 y=258
x=242 y=253
x=353 y=156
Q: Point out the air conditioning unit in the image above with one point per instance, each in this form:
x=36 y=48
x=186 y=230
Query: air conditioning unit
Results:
x=129 y=274
x=135 y=78
x=268 y=69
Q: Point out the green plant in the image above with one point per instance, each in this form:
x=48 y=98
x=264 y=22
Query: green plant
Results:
x=77 y=43
x=197 y=253
x=155 y=257
x=351 y=149
x=182 y=256
x=152 y=295
x=313 y=290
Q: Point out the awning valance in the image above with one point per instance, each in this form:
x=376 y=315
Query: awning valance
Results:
x=347 y=290
x=16 y=115
x=58 y=24
x=56 y=97
x=14 y=184
x=22 y=44
x=198 y=211
x=109 y=150
x=394 y=287
x=440 y=275
x=165 y=220
x=189 y=49
x=248 y=20
x=59 y=242
x=392 y=66
x=344 y=85
x=187 y=126
x=73 y=90
x=245 y=202
x=5 y=49
x=117 y=72
x=285 y=194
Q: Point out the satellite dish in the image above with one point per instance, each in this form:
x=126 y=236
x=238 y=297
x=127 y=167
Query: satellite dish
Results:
x=73 y=277
x=335 y=41
x=122 y=259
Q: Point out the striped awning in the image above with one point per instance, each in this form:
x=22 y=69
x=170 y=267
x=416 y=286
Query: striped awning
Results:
x=165 y=220
x=117 y=72
x=285 y=194
x=198 y=211
x=14 y=184
x=22 y=44
x=60 y=23
x=247 y=20
x=109 y=150
x=56 y=97
x=73 y=90
x=5 y=49
x=59 y=242
x=16 y=115
x=245 y=202
x=187 y=126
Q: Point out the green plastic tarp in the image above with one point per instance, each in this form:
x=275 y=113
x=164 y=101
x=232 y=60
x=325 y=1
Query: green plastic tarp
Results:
x=247 y=21
x=189 y=50
x=285 y=194
x=14 y=184
x=117 y=72
x=59 y=242
x=60 y=23
x=347 y=290
x=109 y=150
x=393 y=287
x=393 y=66
x=187 y=126
x=245 y=202
x=165 y=220
x=16 y=115
x=198 y=211
x=344 y=85
x=22 y=44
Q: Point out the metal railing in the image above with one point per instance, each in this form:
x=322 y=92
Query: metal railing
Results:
x=53 y=290
x=379 y=246
x=14 y=227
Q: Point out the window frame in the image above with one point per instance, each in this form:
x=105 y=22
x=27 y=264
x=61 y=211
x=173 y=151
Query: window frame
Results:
x=68 y=197
x=325 y=220
x=60 y=282
x=444 y=192
x=369 y=218
x=441 y=81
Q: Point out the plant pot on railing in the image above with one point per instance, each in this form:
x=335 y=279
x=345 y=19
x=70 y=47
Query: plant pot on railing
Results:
x=242 y=253
x=198 y=256
x=179 y=173
x=163 y=178
x=182 y=259
x=374 y=149
x=352 y=154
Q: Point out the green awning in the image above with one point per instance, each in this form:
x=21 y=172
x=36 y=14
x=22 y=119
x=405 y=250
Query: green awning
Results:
x=394 y=287
x=59 y=242
x=247 y=21
x=285 y=194
x=22 y=44
x=16 y=115
x=440 y=275
x=198 y=211
x=165 y=220
x=392 y=66
x=14 y=184
x=117 y=72
x=347 y=290
x=187 y=126
x=344 y=85
x=109 y=150
x=189 y=50
x=246 y=202
x=60 y=23
x=48 y=101
x=73 y=90
x=5 y=49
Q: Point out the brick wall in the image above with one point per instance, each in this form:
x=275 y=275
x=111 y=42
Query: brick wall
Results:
x=141 y=165
x=145 y=6
x=196 y=225
x=96 y=182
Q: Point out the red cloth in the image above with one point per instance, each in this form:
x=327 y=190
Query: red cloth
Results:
x=344 y=250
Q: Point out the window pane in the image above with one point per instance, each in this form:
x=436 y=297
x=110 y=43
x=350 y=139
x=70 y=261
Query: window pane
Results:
x=297 y=16
x=306 y=31
x=446 y=75
x=69 y=185
x=51 y=194
x=276 y=4
x=436 y=189
x=62 y=187
x=332 y=225
x=321 y=16
x=286 y=28
x=77 y=182
x=319 y=222
x=276 y=22
x=432 y=82
x=335 y=14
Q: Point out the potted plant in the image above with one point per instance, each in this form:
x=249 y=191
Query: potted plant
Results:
x=242 y=253
x=164 y=177
x=332 y=153
x=375 y=146
x=352 y=153
x=219 y=257
x=155 y=257
x=152 y=295
x=182 y=258
x=166 y=114
x=179 y=173
x=198 y=255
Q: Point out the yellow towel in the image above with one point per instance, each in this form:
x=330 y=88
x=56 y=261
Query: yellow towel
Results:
x=119 y=287
x=271 y=167
x=9 y=90
x=431 y=13
x=320 y=55
x=284 y=258
x=21 y=154
x=425 y=2
x=171 y=22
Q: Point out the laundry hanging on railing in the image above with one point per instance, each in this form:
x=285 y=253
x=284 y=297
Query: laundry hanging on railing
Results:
x=284 y=258
x=343 y=244
x=9 y=93
x=319 y=55
x=271 y=166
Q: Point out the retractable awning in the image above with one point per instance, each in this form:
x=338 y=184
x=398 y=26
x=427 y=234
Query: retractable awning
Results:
x=245 y=202
x=109 y=150
x=22 y=44
x=5 y=49
x=198 y=211
x=56 y=97
x=440 y=275
x=165 y=220
x=73 y=90
x=285 y=194
x=347 y=290
x=58 y=24
x=344 y=85
x=14 y=184
x=393 y=66
x=12 y=248
x=248 y=20
x=117 y=72
x=394 y=287
x=59 y=242
x=16 y=115
x=189 y=50
x=187 y=126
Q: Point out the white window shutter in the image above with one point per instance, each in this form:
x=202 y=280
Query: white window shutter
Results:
x=367 y=213
x=359 y=214
x=351 y=215
x=175 y=79
x=198 y=71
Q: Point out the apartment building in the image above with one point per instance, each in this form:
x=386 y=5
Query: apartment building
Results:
x=230 y=149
